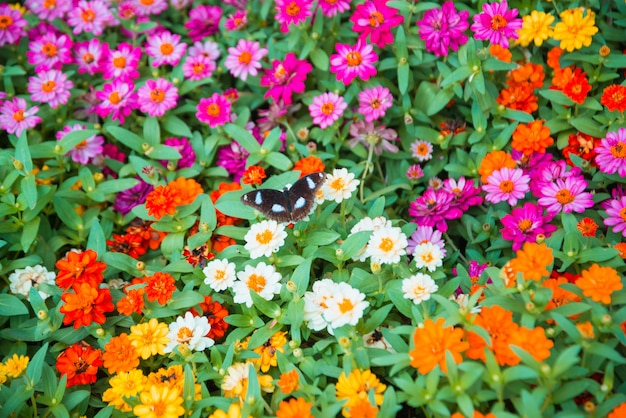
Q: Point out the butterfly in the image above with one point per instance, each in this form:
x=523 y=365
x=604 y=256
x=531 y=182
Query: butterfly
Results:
x=292 y=204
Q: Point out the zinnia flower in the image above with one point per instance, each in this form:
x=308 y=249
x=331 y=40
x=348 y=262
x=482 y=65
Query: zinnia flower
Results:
x=87 y=305
x=203 y=21
x=189 y=331
x=506 y=185
x=79 y=362
x=497 y=23
x=442 y=29
x=418 y=287
x=16 y=118
x=245 y=59
x=359 y=384
x=164 y=399
x=156 y=97
x=15 y=365
x=375 y=19
x=292 y=12
x=165 y=48
x=262 y=279
x=120 y=355
x=598 y=283
x=50 y=50
x=160 y=287
x=575 y=30
x=339 y=185
x=387 y=245
x=532 y=137
x=122 y=63
x=12 y=25
x=265 y=238
x=374 y=102
x=616 y=211
x=219 y=274
x=78 y=268
x=611 y=153
x=432 y=341
x=149 y=338
x=346 y=307
x=535 y=28
x=353 y=61
x=614 y=97
x=566 y=195
x=50 y=87
x=22 y=280
x=326 y=109
x=117 y=99
x=86 y=150
x=127 y=199
x=214 y=110
x=285 y=78
x=89 y=16
x=525 y=224
x=294 y=407
x=533 y=261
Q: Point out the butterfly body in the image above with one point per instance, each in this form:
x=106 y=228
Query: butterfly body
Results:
x=292 y=204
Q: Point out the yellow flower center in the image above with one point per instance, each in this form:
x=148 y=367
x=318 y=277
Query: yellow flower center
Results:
x=327 y=108
x=82 y=144
x=146 y=2
x=5 y=21
x=564 y=196
x=256 y=282
x=19 y=116
x=498 y=22
x=48 y=86
x=619 y=150
x=264 y=237
x=184 y=335
x=427 y=258
x=167 y=48
x=157 y=95
x=49 y=4
x=49 y=49
x=622 y=214
x=88 y=15
x=354 y=58
x=88 y=58
x=506 y=186
x=375 y=104
x=220 y=275
x=345 y=305
x=337 y=184
x=386 y=244
x=115 y=98
x=198 y=68
x=213 y=110
x=292 y=9
x=119 y=61
x=245 y=57
x=524 y=225
x=376 y=19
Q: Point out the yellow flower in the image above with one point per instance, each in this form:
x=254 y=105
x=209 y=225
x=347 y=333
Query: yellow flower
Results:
x=124 y=385
x=149 y=338
x=575 y=30
x=357 y=386
x=535 y=28
x=3 y=373
x=268 y=351
x=234 y=411
x=16 y=365
x=159 y=402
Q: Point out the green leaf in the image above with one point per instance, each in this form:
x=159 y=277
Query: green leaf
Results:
x=116 y=185
x=96 y=240
x=355 y=243
x=456 y=76
x=152 y=131
x=185 y=299
x=278 y=160
x=29 y=190
x=11 y=305
x=22 y=153
x=126 y=137
x=263 y=334
x=517 y=115
x=441 y=100
x=301 y=276
x=320 y=59
x=588 y=126
x=174 y=125
x=322 y=238
x=163 y=152
x=73 y=138
x=35 y=365
x=65 y=211
x=29 y=233
x=267 y=307
x=243 y=137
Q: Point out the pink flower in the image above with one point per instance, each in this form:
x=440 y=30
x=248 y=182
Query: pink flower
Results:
x=374 y=102
x=89 y=16
x=375 y=19
x=232 y=158
x=331 y=8
x=15 y=118
x=165 y=48
x=12 y=25
x=208 y=49
x=198 y=67
x=506 y=184
x=48 y=10
x=434 y=208
x=465 y=192
x=156 y=97
x=616 y=210
x=353 y=61
x=497 y=24
x=203 y=21
x=50 y=87
x=51 y=50
x=380 y=137
x=292 y=12
x=117 y=99
x=424 y=234
x=611 y=153
x=326 y=109
x=153 y=7
x=285 y=78
x=183 y=146
x=442 y=29
x=86 y=150
x=525 y=224
x=414 y=172
x=236 y=21
x=214 y=110
x=122 y=63
x=245 y=59
x=566 y=195
x=89 y=55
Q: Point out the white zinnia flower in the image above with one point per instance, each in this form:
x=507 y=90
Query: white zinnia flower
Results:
x=262 y=279
x=428 y=255
x=265 y=238
x=220 y=274
x=419 y=287
x=236 y=378
x=387 y=245
x=368 y=224
x=346 y=306
x=21 y=280
x=316 y=302
x=339 y=185
x=189 y=331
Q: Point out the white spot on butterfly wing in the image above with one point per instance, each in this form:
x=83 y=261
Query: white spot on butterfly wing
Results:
x=300 y=202
x=258 y=198
x=276 y=208
x=310 y=183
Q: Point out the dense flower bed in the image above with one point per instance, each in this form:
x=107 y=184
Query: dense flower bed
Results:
x=462 y=254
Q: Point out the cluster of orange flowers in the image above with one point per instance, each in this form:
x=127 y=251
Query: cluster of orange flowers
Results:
x=570 y=80
x=164 y=200
x=520 y=93
x=158 y=287
x=139 y=237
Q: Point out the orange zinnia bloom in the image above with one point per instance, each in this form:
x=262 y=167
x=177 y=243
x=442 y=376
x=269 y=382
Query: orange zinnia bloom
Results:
x=587 y=227
x=289 y=381
x=253 y=175
x=132 y=302
x=532 y=137
x=577 y=87
x=533 y=341
x=614 y=97
x=554 y=58
x=498 y=322
x=151 y=237
x=120 y=355
x=162 y=201
x=598 y=283
x=362 y=408
x=431 y=344
x=618 y=412
x=621 y=248
x=79 y=362
x=560 y=296
x=500 y=53
x=309 y=165
x=295 y=408
x=519 y=97
x=494 y=160
x=128 y=244
x=476 y=415
x=160 y=287
x=224 y=188
x=87 y=305
x=220 y=242
x=586 y=330
x=532 y=260
x=562 y=77
x=186 y=189
x=528 y=73
x=78 y=268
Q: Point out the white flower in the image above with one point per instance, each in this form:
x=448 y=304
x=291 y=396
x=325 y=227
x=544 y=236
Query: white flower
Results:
x=236 y=377
x=387 y=245
x=462 y=299
x=262 y=279
x=220 y=274
x=21 y=280
x=265 y=238
x=189 y=331
x=316 y=302
x=371 y=224
x=346 y=306
x=339 y=185
x=419 y=287
x=428 y=255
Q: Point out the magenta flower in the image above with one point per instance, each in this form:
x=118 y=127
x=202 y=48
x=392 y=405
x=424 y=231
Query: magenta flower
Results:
x=506 y=184
x=165 y=48
x=117 y=99
x=150 y=7
x=525 y=224
x=380 y=137
x=126 y=10
x=442 y=29
x=214 y=110
x=122 y=63
x=183 y=146
x=292 y=12
x=89 y=16
x=326 y=109
x=156 y=97
x=208 y=49
x=48 y=10
x=331 y=8
x=111 y=152
x=353 y=61
x=127 y=199
x=465 y=192
x=15 y=118
x=12 y=25
x=616 y=211
x=434 y=208
x=51 y=50
x=89 y=55
x=497 y=23
x=285 y=78
x=566 y=195
x=203 y=21
x=375 y=19
x=611 y=153
x=50 y=87
x=198 y=67
x=87 y=149
x=233 y=159
x=245 y=59
x=374 y=102
x=236 y=21
x=414 y=172
x=424 y=234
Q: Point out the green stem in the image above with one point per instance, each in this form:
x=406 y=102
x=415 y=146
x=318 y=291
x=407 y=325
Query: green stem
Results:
x=454 y=247
x=368 y=166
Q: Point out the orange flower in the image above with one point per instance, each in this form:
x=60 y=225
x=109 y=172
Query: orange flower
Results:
x=162 y=201
x=120 y=355
x=224 y=188
x=586 y=330
x=87 y=305
x=554 y=58
x=560 y=296
x=253 y=175
x=587 y=227
x=476 y=415
x=294 y=408
x=532 y=260
x=508 y=275
x=494 y=160
x=151 y=237
x=577 y=87
x=614 y=97
x=220 y=242
x=362 y=408
x=498 y=322
x=289 y=381
x=532 y=137
x=498 y=52
x=562 y=77
x=431 y=344
x=78 y=268
x=598 y=283
x=621 y=248
x=79 y=362
x=160 y=287
x=533 y=341
x=528 y=73
x=132 y=302
x=309 y=165
x=215 y=313
x=519 y=97
x=618 y=412
x=186 y=189
x=128 y=244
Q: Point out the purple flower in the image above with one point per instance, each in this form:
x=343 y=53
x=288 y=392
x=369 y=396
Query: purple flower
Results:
x=233 y=159
x=285 y=78
x=203 y=21
x=353 y=61
x=616 y=209
x=13 y=24
x=375 y=19
x=51 y=86
x=198 y=67
x=414 y=172
x=424 y=234
x=374 y=102
x=442 y=29
x=208 y=49
x=506 y=184
x=525 y=223
x=156 y=97
x=153 y=7
x=497 y=23
x=89 y=55
x=331 y=8
x=15 y=118
x=127 y=199
x=434 y=208
x=379 y=137
x=465 y=192
x=183 y=146
x=611 y=153
x=48 y=10
x=566 y=195
x=85 y=150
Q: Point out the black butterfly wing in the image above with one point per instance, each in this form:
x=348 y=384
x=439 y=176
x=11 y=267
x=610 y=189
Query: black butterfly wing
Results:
x=271 y=203
x=302 y=195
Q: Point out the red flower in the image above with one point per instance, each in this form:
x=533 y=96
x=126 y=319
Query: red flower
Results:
x=587 y=227
x=614 y=97
x=215 y=313
x=80 y=268
x=253 y=175
x=151 y=237
x=79 y=362
x=160 y=287
x=577 y=87
x=582 y=145
x=128 y=244
x=87 y=305
x=132 y=302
